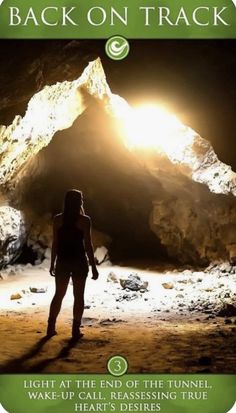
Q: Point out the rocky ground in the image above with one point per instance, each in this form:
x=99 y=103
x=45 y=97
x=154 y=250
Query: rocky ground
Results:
x=162 y=320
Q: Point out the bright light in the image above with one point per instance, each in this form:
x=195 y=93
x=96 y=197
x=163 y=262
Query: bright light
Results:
x=150 y=126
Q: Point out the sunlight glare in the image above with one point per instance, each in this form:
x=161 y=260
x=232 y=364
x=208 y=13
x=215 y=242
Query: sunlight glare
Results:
x=153 y=127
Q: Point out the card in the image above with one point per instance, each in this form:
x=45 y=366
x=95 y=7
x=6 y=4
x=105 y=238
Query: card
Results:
x=117 y=206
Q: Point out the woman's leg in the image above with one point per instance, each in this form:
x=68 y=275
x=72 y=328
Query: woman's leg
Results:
x=78 y=290
x=78 y=309
x=61 y=287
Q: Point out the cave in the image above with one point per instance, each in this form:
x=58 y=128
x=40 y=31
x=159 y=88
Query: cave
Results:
x=90 y=156
x=163 y=228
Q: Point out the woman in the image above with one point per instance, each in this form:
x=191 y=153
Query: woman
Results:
x=71 y=242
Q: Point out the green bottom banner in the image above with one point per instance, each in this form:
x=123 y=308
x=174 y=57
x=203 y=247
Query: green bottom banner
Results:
x=106 y=393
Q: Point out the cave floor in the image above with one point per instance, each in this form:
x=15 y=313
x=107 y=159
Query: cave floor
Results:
x=153 y=330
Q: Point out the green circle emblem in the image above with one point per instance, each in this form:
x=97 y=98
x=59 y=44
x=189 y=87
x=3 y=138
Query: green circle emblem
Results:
x=117 y=48
x=117 y=366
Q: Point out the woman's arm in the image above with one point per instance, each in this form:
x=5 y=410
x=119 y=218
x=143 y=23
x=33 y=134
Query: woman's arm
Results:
x=54 y=246
x=89 y=248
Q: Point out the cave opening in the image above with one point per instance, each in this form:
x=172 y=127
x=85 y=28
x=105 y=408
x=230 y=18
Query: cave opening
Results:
x=91 y=156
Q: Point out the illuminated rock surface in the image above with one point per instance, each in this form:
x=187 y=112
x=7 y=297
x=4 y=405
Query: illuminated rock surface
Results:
x=12 y=234
x=185 y=194
x=50 y=110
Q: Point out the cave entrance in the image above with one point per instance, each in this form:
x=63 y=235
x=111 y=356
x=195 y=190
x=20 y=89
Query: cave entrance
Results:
x=91 y=156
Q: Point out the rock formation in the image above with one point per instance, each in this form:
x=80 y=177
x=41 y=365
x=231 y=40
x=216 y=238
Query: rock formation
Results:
x=50 y=110
x=181 y=193
x=12 y=234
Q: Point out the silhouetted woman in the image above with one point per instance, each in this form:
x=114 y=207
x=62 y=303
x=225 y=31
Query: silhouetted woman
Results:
x=71 y=242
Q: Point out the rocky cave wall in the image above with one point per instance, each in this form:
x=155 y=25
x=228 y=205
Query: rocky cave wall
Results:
x=68 y=138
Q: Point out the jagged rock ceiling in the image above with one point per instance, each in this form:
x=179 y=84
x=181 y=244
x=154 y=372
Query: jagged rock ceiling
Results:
x=50 y=110
x=56 y=107
x=190 y=193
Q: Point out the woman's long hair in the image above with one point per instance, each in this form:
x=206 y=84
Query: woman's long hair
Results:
x=73 y=207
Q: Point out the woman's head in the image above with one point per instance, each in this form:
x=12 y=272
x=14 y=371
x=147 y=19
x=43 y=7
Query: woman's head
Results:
x=73 y=205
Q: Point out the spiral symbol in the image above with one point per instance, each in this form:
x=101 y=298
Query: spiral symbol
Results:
x=117 y=47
